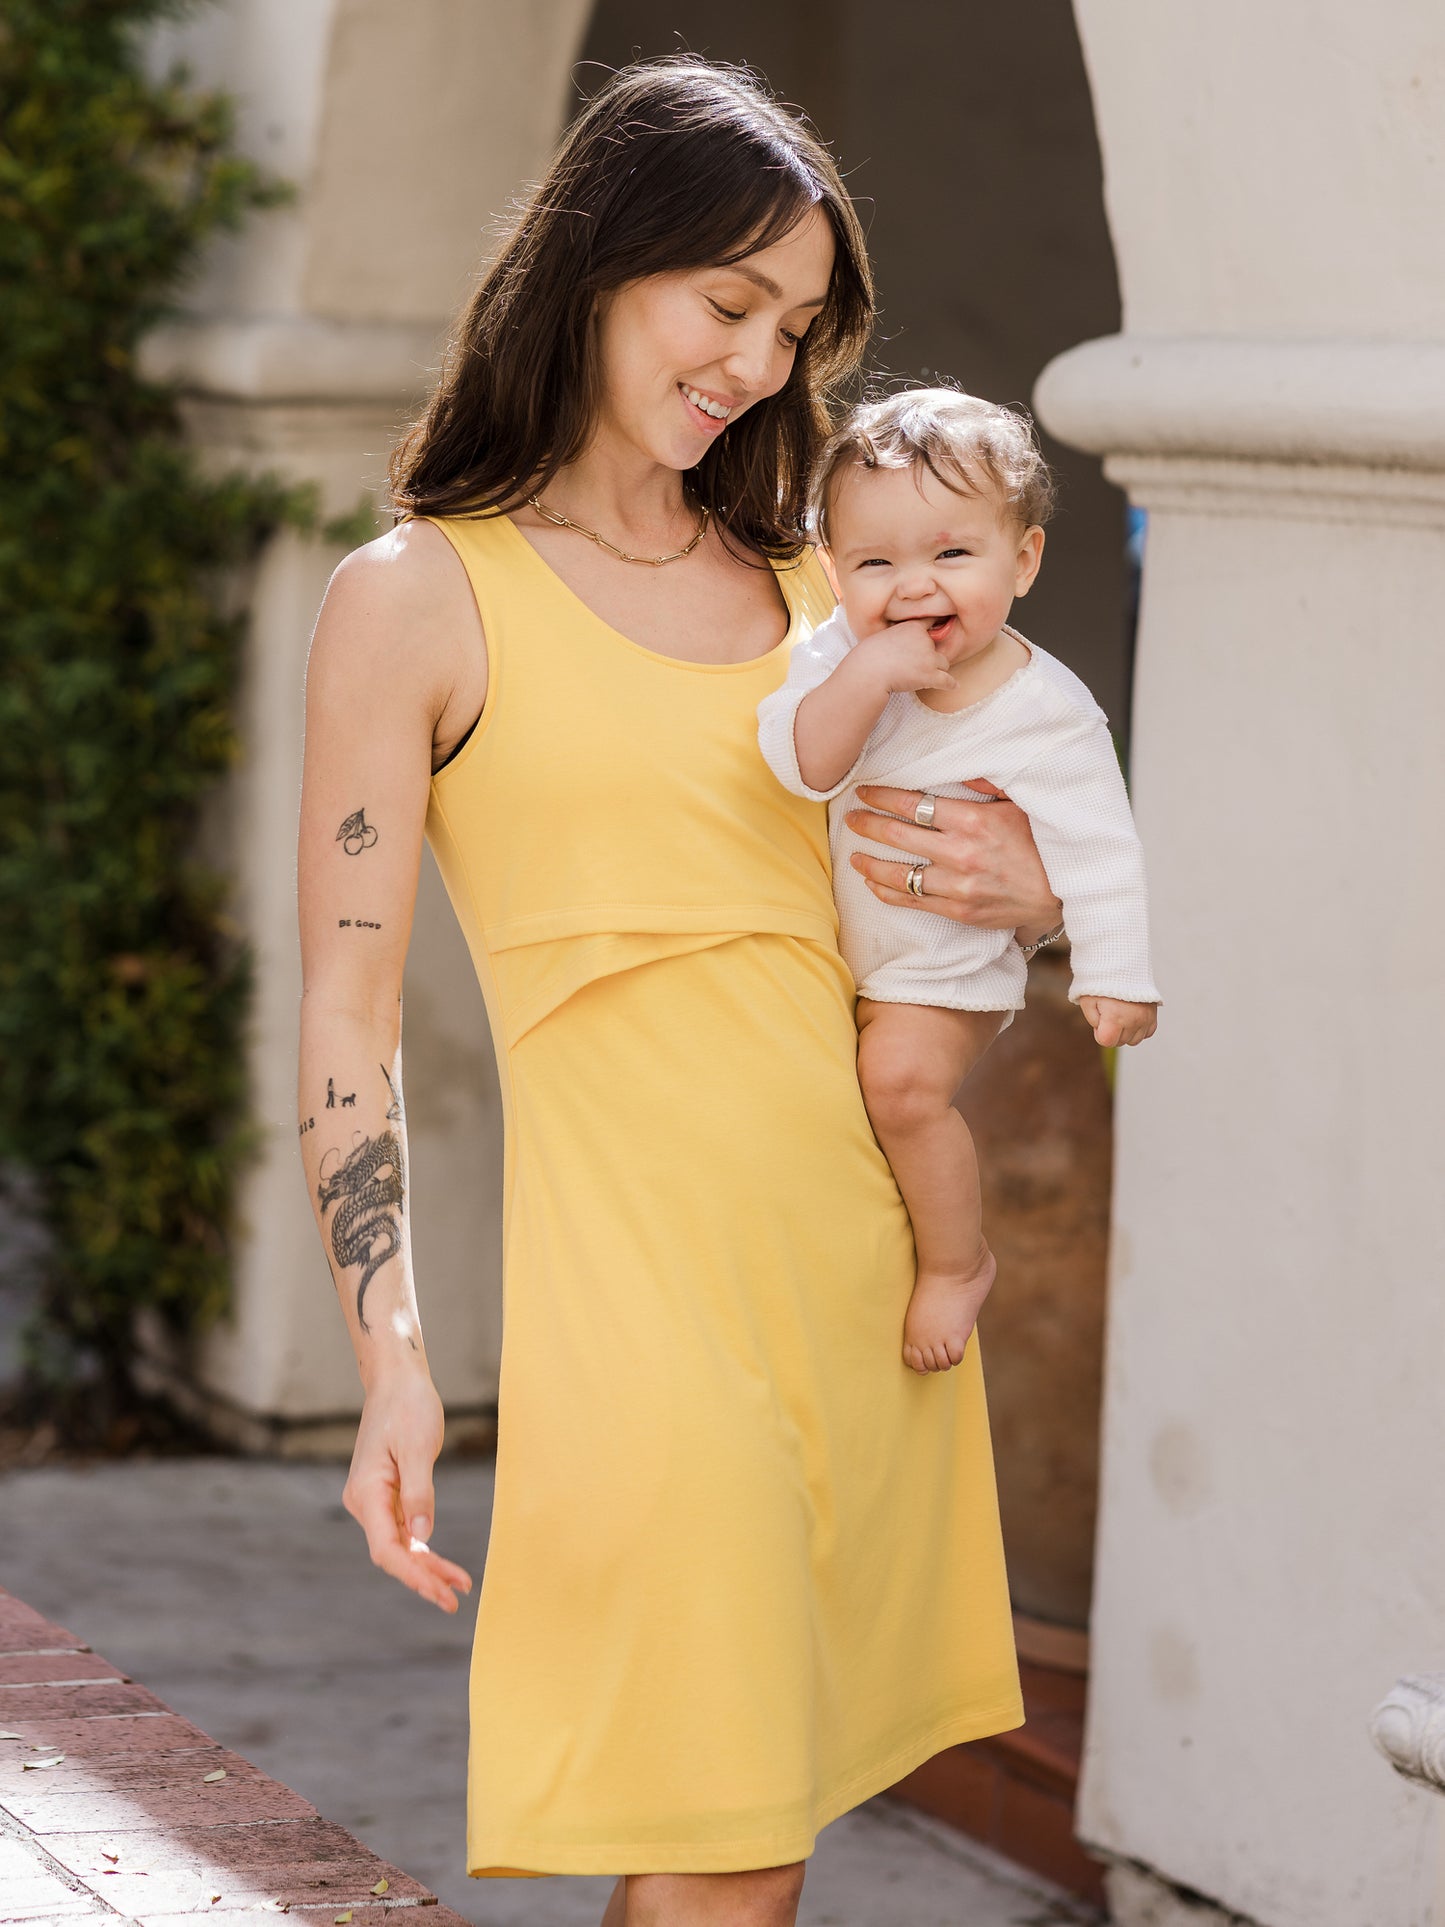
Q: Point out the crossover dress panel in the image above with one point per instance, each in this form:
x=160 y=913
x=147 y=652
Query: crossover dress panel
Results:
x=745 y=1567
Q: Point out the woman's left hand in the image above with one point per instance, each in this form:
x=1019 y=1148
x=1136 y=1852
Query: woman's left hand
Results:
x=983 y=866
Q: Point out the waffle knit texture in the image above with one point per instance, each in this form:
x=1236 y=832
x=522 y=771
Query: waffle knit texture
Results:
x=1042 y=738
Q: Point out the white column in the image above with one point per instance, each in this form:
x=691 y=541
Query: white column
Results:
x=308 y=344
x=1275 y=181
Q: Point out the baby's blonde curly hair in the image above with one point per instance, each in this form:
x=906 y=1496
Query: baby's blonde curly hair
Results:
x=969 y=444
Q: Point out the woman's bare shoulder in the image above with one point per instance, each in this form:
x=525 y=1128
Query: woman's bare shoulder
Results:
x=401 y=607
x=411 y=573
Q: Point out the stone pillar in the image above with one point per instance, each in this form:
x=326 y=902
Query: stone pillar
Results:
x=1276 y=401
x=308 y=344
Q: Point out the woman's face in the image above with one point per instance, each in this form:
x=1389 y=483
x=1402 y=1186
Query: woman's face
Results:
x=684 y=354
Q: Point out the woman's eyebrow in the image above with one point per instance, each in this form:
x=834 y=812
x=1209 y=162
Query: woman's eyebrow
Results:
x=769 y=286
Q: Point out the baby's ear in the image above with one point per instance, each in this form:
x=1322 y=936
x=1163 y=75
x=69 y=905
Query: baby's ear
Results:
x=1030 y=555
x=832 y=574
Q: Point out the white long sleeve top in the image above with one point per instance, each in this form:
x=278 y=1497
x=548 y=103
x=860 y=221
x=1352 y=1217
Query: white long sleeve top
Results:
x=1041 y=737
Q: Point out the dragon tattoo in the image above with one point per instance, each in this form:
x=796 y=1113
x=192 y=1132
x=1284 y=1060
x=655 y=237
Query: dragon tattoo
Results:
x=368 y=1190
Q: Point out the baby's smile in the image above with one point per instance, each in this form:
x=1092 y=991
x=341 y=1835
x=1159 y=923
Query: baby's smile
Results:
x=938 y=625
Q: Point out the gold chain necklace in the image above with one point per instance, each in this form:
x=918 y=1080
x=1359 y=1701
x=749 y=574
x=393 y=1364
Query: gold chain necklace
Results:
x=647 y=561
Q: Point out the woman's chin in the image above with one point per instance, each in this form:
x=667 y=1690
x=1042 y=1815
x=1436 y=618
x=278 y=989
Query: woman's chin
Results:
x=680 y=452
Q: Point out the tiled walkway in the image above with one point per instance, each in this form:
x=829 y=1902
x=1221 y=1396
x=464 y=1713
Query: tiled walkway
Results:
x=240 y=1593
x=114 y=1810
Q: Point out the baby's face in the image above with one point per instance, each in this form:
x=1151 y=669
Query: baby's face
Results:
x=907 y=548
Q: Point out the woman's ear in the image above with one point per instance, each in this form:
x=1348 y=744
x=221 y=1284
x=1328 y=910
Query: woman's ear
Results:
x=825 y=557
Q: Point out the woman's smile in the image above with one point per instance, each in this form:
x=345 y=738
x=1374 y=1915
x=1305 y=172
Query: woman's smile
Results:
x=707 y=411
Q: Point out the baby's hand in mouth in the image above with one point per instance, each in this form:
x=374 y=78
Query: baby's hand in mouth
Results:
x=937 y=626
x=905 y=655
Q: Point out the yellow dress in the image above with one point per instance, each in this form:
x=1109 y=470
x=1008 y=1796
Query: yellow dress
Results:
x=745 y=1567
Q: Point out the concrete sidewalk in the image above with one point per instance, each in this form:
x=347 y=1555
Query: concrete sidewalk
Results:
x=241 y=1593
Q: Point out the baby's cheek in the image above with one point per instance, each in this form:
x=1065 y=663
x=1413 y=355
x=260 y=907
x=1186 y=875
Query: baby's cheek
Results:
x=864 y=611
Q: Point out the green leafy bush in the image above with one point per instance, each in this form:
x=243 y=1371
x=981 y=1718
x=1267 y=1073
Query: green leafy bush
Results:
x=123 y=989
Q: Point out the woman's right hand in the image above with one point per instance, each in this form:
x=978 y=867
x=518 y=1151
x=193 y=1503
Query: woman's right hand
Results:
x=389 y=1489
x=984 y=867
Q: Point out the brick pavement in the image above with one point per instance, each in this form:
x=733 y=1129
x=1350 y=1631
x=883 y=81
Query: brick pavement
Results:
x=114 y=1809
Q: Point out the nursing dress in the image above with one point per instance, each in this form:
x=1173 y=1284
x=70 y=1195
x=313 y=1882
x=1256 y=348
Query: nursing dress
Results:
x=745 y=1567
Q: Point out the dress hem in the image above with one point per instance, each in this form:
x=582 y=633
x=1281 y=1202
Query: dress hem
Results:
x=745 y=1856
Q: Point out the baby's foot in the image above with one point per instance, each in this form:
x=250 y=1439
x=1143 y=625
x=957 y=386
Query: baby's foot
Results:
x=941 y=1315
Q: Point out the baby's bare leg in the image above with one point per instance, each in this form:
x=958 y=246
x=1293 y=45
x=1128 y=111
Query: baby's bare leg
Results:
x=911 y=1060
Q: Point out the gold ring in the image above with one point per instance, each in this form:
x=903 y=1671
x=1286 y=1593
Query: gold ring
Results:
x=914 y=882
x=927 y=809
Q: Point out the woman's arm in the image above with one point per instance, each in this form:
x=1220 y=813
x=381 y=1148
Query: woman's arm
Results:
x=385 y=660
x=984 y=868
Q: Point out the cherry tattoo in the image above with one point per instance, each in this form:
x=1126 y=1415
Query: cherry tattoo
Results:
x=356 y=834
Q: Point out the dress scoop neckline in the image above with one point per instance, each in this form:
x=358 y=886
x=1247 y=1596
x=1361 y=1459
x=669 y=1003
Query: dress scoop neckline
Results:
x=657 y=655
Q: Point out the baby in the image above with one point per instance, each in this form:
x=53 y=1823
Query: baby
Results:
x=929 y=509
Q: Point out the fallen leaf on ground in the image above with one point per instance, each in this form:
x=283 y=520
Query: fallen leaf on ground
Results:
x=381 y=1885
x=341 y=1919
x=28 y=1766
x=209 y=1779
x=12 y=1736
x=112 y=1857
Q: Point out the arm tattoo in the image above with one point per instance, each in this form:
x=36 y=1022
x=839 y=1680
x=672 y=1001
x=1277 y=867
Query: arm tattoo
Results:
x=356 y=834
x=368 y=1189
x=393 y=1110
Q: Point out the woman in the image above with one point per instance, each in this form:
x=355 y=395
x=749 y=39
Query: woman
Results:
x=744 y=1568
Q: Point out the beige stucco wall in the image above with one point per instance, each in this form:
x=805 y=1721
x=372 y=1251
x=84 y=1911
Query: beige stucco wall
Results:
x=407 y=130
x=1270 y=1555
x=434 y=117
x=1273 y=170
x=308 y=342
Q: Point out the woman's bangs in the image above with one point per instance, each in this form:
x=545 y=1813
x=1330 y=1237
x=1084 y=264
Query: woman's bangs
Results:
x=780 y=200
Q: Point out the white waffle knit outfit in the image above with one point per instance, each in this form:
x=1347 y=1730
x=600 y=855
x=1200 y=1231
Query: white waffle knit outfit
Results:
x=1043 y=739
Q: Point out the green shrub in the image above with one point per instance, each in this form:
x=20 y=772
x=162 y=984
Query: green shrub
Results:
x=123 y=989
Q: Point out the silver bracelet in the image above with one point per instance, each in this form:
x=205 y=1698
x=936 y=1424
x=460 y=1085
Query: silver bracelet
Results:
x=1026 y=950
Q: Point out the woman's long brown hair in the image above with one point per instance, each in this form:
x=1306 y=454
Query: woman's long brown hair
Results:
x=676 y=164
